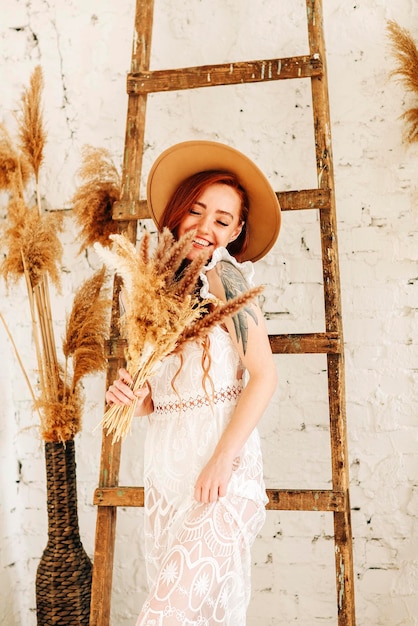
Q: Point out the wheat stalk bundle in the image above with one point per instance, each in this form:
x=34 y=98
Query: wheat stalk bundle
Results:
x=161 y=308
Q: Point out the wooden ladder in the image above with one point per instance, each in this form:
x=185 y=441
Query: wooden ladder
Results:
x=141 y=82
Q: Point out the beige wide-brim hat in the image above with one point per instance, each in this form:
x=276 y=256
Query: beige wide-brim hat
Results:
x=190 y=157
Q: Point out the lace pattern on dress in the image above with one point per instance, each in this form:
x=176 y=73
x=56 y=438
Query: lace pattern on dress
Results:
x=228 y=394
x=200 y=567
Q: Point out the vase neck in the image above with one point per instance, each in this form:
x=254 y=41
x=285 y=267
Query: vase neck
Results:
x=61 y=488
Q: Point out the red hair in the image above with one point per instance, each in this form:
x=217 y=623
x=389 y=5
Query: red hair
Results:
x=191 y=189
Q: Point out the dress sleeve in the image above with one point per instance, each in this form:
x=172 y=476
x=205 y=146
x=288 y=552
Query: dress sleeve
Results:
x=222 y=254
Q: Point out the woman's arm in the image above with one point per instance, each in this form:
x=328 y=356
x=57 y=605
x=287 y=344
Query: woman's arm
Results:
x=249 y=334
x=120 y=393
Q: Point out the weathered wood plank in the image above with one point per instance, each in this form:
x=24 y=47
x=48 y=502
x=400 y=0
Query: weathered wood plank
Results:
x=106 y=519
x=279 y=499
x=304 y=199
x=308 y=343
x=104 y=550
x=289 y=201
x=119 y=496
x=223 y=74
x=305 y=500
x=101 y=591
x=333 y=322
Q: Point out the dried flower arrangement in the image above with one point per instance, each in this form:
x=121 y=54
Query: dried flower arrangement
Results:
x=34 y=252
x=405 y=52
x=162 y=309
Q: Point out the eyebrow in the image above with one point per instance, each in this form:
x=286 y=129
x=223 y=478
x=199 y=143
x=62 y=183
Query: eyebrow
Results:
x=204 y=206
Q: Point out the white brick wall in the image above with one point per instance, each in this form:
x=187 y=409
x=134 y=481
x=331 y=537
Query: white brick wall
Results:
x=84 y=49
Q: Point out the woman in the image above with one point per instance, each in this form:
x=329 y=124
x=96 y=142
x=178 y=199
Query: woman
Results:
x=204 y=490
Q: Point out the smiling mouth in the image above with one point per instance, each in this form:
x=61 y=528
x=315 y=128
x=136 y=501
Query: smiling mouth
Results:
x=202 y=242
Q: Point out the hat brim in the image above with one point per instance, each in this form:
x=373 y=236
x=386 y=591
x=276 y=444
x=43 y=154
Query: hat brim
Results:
x=190 y=157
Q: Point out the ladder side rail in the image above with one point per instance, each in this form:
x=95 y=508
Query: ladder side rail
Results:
x=101 y=593
x=135 y=121
x=325 y=171
x=333 y=320
x=102 y=574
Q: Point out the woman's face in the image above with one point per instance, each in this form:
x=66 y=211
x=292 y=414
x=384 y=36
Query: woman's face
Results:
x=215 y=216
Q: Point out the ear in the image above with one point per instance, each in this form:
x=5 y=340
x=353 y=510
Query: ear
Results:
x=236 y=233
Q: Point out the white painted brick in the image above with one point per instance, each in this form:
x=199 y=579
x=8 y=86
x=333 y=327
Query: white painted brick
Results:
x=378 y=580
x=378 y=554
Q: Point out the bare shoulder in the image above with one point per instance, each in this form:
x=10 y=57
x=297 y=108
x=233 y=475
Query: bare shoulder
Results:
x=226 y=281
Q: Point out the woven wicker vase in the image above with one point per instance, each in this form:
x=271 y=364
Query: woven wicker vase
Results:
x=63 y=578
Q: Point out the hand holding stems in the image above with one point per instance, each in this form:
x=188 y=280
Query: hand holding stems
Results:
x=120 y=393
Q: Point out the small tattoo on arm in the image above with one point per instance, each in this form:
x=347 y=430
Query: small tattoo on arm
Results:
x=234 y=285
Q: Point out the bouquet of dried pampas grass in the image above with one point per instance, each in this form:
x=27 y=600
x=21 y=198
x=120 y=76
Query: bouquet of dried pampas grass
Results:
x=33 y=251
x=162 y=310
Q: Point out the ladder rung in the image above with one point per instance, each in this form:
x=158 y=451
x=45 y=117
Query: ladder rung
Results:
x=289 y=201
x=140 y=83
x=306 y=500
x=279 y=499
x=119 y=496
x=307 y=343
x=304 y=199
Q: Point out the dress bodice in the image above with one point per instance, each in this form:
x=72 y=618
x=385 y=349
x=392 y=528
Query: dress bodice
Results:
x=181 y=385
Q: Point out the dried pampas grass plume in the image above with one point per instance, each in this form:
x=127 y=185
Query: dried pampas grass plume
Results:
x=32 y=237
x=61 y=413
x=31 y=127
x=162 y=308
x=61 y=403
x=14 y=167
x=88 y=328
x=405 y=52
x=94 y=199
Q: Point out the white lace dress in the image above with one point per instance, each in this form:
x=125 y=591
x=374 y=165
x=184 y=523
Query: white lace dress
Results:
x=198 y=555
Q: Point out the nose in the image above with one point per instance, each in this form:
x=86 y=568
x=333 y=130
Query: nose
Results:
x=203 y=224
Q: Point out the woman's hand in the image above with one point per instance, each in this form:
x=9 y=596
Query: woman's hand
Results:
x=120 y=393
x=213 y=480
